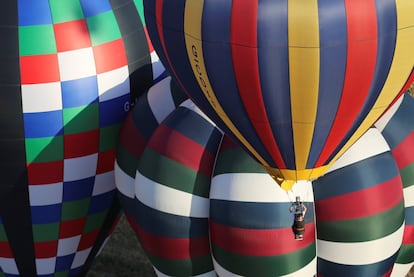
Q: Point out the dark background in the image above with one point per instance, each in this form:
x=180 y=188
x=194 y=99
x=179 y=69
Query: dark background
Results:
x=122 y=256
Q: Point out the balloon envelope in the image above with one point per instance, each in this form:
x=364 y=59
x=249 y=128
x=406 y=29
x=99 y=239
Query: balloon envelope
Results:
x=250 y=223
x=360 y=211
x=168 y=203
x=66 y=72
x=397 y=127
x=296 y=83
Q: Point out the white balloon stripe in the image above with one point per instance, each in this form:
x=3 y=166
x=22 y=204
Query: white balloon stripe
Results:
x=160 y=99
x=157 y=67
x=307 y=270
x=169 y=200
x=408 y=196
x=360 y=253
x=191 y=106
x=401 y=269
x=256 y=187
x=247 y=187
x=370 y=144
x=385 y=118
x=124 y=183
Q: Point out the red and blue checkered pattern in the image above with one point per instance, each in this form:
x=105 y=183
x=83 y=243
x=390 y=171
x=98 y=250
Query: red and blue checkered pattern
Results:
x=79 y=63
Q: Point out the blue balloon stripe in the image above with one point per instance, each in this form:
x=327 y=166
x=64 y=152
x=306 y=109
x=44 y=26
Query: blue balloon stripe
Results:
x=273 y=58
x=254 y=215
x=409 y=215
x=219 y=66
x=206 y=134
x=387 y=36
x=355 y=177
x=401 y=124
x=328 y=268
x=179 y=57
x=333 y=47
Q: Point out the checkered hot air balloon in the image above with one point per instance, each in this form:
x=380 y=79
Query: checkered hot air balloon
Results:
x=70 y=70
x=295 y=82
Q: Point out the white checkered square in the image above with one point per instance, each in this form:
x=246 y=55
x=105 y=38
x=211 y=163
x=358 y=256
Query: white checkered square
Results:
x=80 y=258
x=45 y=266
x=80 y=168
x=41 y=97
x=157 y=67
x=41 y=195
x=8 y=266
x=68 y=246
x=103 y=183
x=76 y=64
x=113 y=84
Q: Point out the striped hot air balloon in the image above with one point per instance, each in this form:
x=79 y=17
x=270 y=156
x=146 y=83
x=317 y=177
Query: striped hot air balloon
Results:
x=150 y=110
x=359 y=222
x=68 y=72
x=295 y=82
x=397 y=127
x=250 y=223
x=167 y=201
x=359 y=208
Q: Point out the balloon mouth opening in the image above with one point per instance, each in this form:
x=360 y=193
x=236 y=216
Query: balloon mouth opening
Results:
x=286 y=178
x=283 y=183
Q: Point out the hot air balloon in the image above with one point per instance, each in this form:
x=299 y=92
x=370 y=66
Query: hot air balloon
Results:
x=250 y=223
x=359 y=206
x=295 y=82
x=150 y=110
x=168 y=204
x=69 y=72
x=397 y=127
x=365 y=179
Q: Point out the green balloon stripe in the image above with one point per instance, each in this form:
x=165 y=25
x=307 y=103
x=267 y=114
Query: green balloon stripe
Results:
x=362 y=229
x=126 y=161
x=108 y=137
x=225 y=162
x=407 y=175
x=173 y=174
x=406 y=254
x=264 y=265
